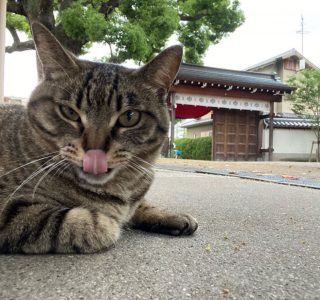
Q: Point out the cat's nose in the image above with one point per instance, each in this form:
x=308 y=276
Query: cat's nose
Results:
x=95 y=139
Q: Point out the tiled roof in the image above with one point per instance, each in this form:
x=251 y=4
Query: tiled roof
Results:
x=278 y=122
x=195 y=123
x=231 y=77
x=296 y=123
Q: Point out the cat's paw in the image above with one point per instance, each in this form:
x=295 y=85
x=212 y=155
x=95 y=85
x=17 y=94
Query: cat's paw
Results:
x=181 y=224
x=85 y=231
x=153 y=219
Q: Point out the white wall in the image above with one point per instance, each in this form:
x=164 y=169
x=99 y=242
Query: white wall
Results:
x=200 y=131
x=290 y=143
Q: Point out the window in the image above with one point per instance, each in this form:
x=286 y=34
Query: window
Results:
x=291 y=64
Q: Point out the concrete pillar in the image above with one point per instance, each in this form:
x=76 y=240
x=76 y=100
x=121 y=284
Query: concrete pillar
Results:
x=271 y=116
x=173 y=122
x=3 y=10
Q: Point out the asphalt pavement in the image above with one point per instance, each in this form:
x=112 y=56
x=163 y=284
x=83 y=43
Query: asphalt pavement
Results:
x=255 y=240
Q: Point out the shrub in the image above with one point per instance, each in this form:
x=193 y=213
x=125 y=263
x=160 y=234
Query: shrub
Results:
x=199 y=148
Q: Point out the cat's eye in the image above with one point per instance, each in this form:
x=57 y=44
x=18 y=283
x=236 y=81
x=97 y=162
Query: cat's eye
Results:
x=130 y=118
x=69 y=113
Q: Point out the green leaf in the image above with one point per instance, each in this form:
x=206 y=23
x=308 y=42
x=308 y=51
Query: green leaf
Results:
x=18 y=22
x=84 y=23
x=135 y=29
x=306 y=98
x=210 y=21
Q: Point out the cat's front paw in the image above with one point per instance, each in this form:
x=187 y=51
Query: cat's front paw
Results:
x=86 y=231
x=153 y=219
x=181 y=224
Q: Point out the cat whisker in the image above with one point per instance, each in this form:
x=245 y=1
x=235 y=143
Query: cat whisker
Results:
x=45 y=154
x=33 y=175
x=54 y=152
x=142 y=160
x=45 y=174
x=141 y=170
x=63 y=168
x=134 y=171
x=60 y=169
x=141 y=167
x=29 y=163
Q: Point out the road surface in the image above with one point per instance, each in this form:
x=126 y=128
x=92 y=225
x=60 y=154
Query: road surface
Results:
x=255 y=240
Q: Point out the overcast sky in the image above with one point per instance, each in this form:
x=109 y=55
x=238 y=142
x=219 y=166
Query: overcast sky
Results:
x=270 y=28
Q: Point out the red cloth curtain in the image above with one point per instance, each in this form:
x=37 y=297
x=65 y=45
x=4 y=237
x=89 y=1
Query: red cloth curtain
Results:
x=191 y=111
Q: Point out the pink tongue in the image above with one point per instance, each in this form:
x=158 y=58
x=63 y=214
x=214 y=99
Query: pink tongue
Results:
x=95 y=162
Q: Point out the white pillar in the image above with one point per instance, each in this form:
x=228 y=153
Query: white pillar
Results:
x=3 y=10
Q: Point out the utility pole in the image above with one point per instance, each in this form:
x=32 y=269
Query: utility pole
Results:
x=3 y=10
x=302 y=32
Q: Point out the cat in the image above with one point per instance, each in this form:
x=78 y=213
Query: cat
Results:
x=76 y=164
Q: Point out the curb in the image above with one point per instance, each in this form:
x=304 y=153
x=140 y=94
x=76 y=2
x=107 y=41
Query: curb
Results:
x=295 y=181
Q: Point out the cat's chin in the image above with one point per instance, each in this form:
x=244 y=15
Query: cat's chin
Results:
x=98 y=179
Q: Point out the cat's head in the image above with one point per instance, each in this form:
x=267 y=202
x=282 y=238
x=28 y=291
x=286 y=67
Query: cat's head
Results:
x=100 y=117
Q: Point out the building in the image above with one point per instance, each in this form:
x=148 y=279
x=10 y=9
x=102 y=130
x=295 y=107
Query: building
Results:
x=236 y=100
x=196 y=128
x=294 y=137
x=284 y=66
x=290 y=142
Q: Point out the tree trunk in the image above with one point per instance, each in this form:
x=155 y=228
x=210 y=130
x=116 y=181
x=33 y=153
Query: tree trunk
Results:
x=42 y=11
x=318 y=151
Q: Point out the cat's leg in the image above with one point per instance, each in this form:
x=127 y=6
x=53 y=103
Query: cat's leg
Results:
x=36 y=227
x=150 y=218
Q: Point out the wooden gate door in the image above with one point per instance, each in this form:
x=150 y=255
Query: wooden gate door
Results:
x=235 y=135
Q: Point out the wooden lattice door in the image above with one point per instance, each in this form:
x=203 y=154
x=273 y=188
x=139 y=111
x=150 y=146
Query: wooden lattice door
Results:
x=235 y=135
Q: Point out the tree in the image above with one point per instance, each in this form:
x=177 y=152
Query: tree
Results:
x=306 y=99
x=133 y=29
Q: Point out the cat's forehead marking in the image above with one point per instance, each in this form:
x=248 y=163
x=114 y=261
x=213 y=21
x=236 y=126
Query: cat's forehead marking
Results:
x=85 y=90
x=99 y=88
x=106 y=91
x=84 y=119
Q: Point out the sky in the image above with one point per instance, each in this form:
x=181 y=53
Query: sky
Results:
x=270 y=29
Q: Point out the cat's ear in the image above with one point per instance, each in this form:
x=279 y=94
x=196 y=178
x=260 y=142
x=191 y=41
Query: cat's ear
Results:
x=162 y=70
x=55 y=60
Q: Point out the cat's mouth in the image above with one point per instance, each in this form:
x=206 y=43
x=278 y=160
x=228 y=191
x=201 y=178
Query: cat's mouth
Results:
x=108 y=172
x=95 y=179
x=95 y=167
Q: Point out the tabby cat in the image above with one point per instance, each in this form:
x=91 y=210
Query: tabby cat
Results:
x=76 y=164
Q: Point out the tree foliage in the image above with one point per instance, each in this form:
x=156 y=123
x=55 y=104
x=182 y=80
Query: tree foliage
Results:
x=133 y=29
x=306 y=98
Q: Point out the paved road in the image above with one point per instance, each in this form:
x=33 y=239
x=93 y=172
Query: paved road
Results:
x=272 y=177
x=296 y=169
x=255 y=241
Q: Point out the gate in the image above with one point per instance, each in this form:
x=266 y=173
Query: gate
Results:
x=235 y=135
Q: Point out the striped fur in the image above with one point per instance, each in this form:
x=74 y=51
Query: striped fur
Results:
x=47 y=203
